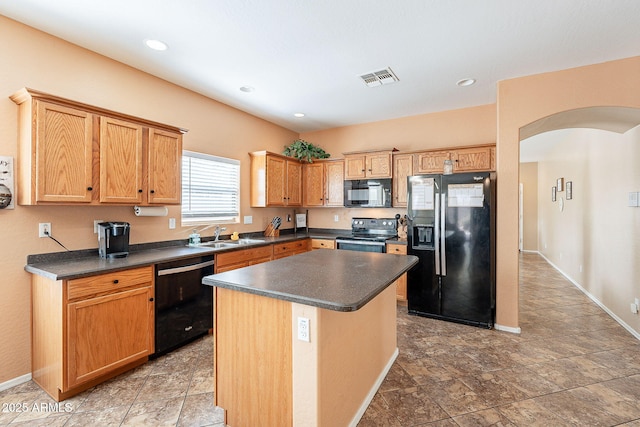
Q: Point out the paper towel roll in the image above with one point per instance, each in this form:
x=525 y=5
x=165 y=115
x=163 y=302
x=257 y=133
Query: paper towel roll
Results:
x=150 y=210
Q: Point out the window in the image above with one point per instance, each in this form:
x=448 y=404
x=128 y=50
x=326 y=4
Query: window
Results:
x=210 y=189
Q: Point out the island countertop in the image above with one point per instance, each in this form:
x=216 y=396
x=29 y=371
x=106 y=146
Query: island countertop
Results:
x=331 y=279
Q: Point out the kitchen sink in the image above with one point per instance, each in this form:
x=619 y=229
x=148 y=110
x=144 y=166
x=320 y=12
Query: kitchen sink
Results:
x=218 y=245
x=229 y=243
x=248 y=241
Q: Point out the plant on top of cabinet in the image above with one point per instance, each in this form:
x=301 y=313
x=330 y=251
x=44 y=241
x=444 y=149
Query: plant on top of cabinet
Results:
x=305 y=151
x=74 y=153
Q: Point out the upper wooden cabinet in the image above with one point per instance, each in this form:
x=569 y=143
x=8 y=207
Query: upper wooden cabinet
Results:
x=323 y=183
x=402 y=168
x=466 y=159
x=76 y=153
x=276 y=180
x=371 y=164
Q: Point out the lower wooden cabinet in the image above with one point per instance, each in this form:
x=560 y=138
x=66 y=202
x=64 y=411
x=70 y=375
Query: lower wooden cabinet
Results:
x=401 y=283
x=323 y=244
x=243 y=258
x=281 y=250
x=87 y=330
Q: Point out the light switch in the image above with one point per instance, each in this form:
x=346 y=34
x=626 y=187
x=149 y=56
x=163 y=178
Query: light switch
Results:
x=633 y=199
x=248 y=219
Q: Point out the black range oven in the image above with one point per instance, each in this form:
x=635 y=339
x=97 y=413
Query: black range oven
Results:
x=369 y=234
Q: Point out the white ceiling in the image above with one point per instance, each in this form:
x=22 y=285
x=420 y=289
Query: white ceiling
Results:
x=306 y=56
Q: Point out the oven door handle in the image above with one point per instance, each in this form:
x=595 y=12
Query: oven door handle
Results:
x=184 y=269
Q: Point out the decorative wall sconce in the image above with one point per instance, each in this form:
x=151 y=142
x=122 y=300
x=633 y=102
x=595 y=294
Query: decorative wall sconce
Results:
x=560 y=184
x=569 y=190
x=553 y=193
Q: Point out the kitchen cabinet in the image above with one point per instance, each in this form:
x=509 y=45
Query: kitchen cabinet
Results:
x=90 y=329
x=471 y=159
x=430 y=162
x=243 y=258
x=282 y=250
x=402 y=168
x=401 y=283
x=276 y=180
x=370 y=164
x=74 y=153
x=323 y=183
x=323 y=244
x=464 y=159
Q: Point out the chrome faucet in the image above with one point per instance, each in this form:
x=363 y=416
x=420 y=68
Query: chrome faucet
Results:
x=217 y=232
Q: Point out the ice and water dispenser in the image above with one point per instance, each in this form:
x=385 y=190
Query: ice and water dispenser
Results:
x=422 y=236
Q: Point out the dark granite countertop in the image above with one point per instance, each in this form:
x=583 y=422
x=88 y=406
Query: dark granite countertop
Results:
x=76 y=264
x=335 y=280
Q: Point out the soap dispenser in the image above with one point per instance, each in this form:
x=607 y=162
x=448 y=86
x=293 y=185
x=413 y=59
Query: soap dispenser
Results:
x=194 y=238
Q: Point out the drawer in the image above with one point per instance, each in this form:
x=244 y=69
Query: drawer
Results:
x=323 y=244
x=109 y=282
x=396 y=249
x=241 y=256
x=294 y=246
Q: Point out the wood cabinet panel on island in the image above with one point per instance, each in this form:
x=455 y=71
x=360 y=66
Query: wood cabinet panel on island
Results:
x=276 y=180
x=75 y=324
x=74 y=153
x=323 y=183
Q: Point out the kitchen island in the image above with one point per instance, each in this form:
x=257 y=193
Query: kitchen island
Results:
x=267 y=373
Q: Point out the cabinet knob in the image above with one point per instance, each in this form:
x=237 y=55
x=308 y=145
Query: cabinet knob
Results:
x=362 y=170
x=89 y=188
x=140 y=190
x=151 y=299
x=152 y=191
x=369 y=170
x=115 y=282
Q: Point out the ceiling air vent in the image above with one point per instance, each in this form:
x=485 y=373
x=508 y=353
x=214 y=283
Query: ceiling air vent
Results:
x=378 y=78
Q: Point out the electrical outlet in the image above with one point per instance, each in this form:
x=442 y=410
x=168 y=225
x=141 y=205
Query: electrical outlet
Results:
x=248 y=219
x=303 y=329
x=44 y=229
x=95 y=225
x=336 y=218
x=172 y=223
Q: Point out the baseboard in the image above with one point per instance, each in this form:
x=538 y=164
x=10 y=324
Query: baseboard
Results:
x=14 y=382
x=622 y=323
x=367 y=401
x=507 y=329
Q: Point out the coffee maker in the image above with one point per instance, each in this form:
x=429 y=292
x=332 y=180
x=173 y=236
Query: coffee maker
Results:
x=113 y=239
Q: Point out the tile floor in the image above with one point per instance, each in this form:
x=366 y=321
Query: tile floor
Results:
x=571 y=366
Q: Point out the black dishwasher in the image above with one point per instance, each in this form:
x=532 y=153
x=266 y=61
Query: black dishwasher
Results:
x=184 y=306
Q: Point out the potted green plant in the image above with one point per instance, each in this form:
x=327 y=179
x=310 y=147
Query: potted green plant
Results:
x=305 y=151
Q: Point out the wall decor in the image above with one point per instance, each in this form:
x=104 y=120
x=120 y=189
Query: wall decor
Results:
x=560 y=184
x=6 y=183
x=569 y=190
x=553 y=194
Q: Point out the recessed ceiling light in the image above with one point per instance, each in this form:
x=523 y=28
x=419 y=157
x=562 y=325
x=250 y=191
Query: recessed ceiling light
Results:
x=156 y=44
x=247 y=89
x=299 y=114
x=466 y=82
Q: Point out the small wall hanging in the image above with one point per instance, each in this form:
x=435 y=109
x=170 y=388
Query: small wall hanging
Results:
x=6 y=183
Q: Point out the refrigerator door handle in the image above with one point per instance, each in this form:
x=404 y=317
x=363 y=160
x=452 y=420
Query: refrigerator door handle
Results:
x=443 y=235
x=437 y=234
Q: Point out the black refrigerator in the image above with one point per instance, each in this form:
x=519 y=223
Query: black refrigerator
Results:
x=451 y=221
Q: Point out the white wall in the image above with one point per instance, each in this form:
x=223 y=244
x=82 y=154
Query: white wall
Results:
x=594 y=239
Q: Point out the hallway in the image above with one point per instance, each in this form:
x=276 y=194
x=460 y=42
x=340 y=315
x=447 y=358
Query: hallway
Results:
x=572 y=365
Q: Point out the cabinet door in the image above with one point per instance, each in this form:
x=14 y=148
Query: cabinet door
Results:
x=294 y=183
x=107 y=332
x=401 y=283
x=120 y=161
x=379 y=165
x=313 y=188
x=472 y=159
x=63 y=154
x=276 y=172
x=354 y=167
x=165 y=160
x=402 y=168
x=334 y=183
x=430 y=162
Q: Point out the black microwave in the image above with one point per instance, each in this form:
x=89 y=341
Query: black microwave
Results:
x=367 y=193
